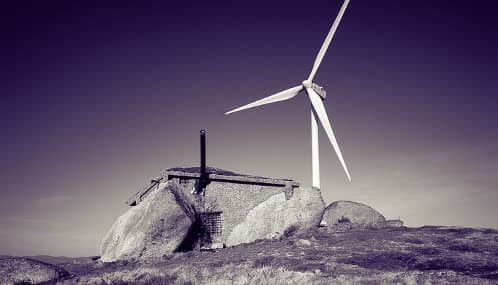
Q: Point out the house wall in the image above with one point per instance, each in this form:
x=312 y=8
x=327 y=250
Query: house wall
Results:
x=233 y=199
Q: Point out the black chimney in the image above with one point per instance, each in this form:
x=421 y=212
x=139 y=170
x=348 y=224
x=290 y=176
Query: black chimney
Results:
x=204 y=176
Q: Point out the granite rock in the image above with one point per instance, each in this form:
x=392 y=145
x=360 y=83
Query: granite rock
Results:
x=152 y=229
x=17 y=270
x=347 y=215
x=278 y=214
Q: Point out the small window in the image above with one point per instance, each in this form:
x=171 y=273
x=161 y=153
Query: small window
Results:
x=183 y=180
x=211 y=222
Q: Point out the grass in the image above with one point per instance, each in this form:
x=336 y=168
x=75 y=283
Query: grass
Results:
x=427 y=255
x=463 y=247
x=246 y=274
x=389 y=260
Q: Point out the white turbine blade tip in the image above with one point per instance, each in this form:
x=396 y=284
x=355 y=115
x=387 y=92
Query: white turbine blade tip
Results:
x=327 y=41
x=280 y=96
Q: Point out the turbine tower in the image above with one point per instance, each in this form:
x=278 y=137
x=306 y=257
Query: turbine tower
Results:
x=316 y=94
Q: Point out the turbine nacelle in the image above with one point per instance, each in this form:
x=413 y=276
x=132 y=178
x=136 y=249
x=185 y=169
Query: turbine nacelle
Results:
x=317 y=88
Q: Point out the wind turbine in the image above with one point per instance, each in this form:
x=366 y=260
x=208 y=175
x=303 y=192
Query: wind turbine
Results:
x=316 y=95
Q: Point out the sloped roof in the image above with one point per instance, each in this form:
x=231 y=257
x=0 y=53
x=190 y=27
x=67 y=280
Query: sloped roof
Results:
x=215 y=174
x=211 y=170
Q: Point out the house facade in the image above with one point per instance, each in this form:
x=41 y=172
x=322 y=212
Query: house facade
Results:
x=223 y=202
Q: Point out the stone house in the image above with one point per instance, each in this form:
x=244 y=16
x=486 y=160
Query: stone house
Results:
x=222 y=203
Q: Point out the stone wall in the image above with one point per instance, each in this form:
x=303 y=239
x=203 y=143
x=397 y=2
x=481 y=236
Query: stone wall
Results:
x=236 y=200
x=392 y=223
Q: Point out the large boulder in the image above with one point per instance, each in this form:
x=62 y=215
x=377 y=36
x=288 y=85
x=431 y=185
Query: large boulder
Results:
x=351 y=214
x=154 y=228
x=17 y=270
x=277 y=214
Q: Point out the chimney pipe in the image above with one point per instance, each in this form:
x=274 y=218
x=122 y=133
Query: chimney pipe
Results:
x=204 y=175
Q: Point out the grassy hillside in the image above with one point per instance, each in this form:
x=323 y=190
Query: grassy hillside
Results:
x=427 y=255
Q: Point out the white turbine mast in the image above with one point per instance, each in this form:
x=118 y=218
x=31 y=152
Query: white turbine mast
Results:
x=316 y=95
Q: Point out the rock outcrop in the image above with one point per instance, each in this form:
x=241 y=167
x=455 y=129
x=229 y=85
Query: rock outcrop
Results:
x=271 y=218
x=154 y=228
x=17 y=270
x=172 y=214
x=347 y=214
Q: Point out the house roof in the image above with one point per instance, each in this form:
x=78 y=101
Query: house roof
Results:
x=214 y=174
x=218 y=174
x=210 y=170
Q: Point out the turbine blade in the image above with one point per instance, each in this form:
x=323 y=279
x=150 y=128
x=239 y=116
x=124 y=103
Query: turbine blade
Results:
x=320 y=112
x=328 y=39
x=280 y=96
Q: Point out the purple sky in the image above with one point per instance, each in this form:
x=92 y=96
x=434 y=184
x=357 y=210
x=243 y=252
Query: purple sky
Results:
x=100 y=97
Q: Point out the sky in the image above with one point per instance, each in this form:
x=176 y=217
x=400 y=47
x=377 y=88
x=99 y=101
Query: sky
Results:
x=98 y=97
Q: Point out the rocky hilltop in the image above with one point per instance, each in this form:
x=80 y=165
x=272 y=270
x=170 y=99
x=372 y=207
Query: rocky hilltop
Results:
x=172 y=214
